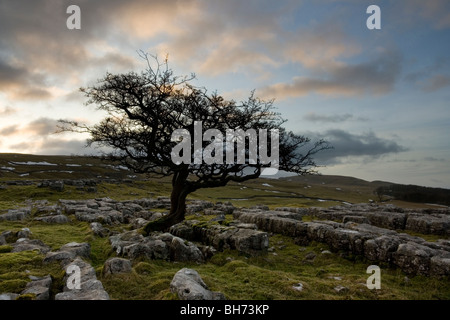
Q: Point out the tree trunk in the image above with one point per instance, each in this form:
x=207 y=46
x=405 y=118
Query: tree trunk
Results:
x=177 y=204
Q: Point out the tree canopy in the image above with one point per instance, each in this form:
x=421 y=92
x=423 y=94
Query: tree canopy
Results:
x=143 y=110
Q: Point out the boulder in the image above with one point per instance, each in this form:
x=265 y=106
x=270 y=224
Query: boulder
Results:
x=139 y=223
x=116 y=265
x=245 y=240
x=16 y=214
x=64 y=257
x=99 y=230
x=429 y=224
x=390 y=220
x=39 y=287
x=24 y=244
x=79 y=249
x=182 y=250
x=413 y=258
x=357 y=219
x=56 y=186
x=9 y=296
x=58 y=219
x=440 y=265
x=9 y=236
x=24 y=233
x=188 y=285
x=90 y=287
x=381 y=248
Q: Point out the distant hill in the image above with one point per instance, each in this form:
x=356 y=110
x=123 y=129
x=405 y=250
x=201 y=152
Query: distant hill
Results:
x=337 y=181
x=293 y=190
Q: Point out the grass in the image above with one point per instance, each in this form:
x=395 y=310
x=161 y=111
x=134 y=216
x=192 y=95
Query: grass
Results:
x=267 y=277
x=272 y=277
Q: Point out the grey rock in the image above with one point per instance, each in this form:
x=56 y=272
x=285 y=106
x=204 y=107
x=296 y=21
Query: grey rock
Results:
x=99 y=230
x=357 y=219
x=185 y=251
x=188 y=285
x=310 y=256
x=413 y=258
x=90 y=287
x=440 y=266
x=57 y=186
x=24 y=233
x=64 y=257
x=341 y=289
x=40 y=288
x=139 y=223
x=57 y=219
x=9 y=236
x=381 y=248
x=79 y=249
x=116 y=265
x=429 y=224
x=9 y=296
x=15 y=214
x=23 y=244
x=298 y=287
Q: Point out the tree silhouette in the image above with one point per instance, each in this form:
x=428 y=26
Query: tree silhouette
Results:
x=143 y=111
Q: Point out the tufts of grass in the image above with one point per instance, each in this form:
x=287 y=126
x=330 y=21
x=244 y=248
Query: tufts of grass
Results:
x=17 y=267
x=274 y=275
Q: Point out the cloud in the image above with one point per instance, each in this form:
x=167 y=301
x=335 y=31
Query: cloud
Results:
x=435 y=11
x=336 y=118
x=436 y=82
x=41 y=127
x=375 y=77
x=38 y=52
x=9 y=130
x=20 y=83
x=7 y=111
x=433 y=159
x=319 y=47
x=349 y=145
x=57 y=146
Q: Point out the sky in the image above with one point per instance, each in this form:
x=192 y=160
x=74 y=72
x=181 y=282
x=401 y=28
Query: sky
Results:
x=379 y=96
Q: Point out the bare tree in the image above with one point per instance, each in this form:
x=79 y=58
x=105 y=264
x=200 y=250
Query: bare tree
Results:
x=143 y=110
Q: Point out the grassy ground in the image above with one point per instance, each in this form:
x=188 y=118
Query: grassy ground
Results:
x=269 y=276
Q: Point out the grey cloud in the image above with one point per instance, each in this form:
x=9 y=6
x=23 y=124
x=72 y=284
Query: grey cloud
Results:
x=336 y=118
x=433 y=159
x=9 y=74
x=9 y=130
x=38 y=51
x=22 y=146
x=56 y=146
x=436 y=82
x=21 y=83
x=7 y=111
x=42 y=126
x=377 y=76
x=367 y=145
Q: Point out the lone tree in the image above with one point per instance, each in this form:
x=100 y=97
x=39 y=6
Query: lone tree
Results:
x=144 y=110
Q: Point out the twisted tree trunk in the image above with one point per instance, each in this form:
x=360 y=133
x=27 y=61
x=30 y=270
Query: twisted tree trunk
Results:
x=180 y=191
